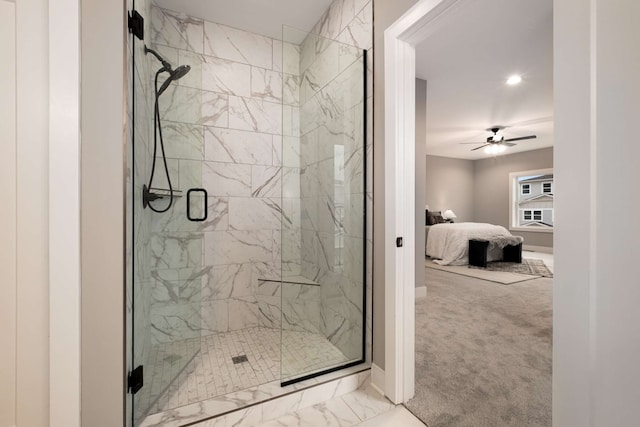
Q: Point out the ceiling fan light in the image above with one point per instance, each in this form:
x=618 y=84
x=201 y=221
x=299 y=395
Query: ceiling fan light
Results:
x=497 y=137
x=495 y=149
x=514 y=80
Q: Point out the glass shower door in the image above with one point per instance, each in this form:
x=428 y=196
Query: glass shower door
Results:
x=166 y=248
x=246 y=249
x=323 y=227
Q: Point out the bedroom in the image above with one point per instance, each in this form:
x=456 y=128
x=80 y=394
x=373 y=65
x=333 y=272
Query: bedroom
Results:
x=474 y=173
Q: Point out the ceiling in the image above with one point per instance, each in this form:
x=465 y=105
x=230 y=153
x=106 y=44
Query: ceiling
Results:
x=466 y=61
x=264 y=17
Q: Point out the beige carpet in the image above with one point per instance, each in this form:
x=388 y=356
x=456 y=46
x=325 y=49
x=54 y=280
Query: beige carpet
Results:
x=483 y=353
x=504 y=277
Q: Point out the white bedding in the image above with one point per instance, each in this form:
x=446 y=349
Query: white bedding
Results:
x=448 y=244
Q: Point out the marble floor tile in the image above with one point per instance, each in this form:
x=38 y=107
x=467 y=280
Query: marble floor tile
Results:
x=304 y=353
x=367 y=403
x=398 y=416
x=332 y=413
x=271 y=355
x=363 y=407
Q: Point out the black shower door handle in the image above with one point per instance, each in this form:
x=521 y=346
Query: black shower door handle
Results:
x=204 y=208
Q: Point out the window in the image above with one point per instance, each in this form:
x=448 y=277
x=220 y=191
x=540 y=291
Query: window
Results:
x=536 y=217
x=532 y=215
x=531 y=200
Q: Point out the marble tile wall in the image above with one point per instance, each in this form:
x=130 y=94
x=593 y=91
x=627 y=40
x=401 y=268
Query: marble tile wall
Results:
x=224 y=131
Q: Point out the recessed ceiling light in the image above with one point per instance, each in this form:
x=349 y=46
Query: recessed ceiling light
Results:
x=514 y=80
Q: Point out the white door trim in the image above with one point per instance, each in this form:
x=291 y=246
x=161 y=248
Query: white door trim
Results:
x=399 y=59
x=8 y=215
x=64 y=212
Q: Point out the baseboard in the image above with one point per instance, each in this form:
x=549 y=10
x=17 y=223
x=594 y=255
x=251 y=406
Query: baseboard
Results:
x=543 y=249
x=421 y=291
x=377 y=378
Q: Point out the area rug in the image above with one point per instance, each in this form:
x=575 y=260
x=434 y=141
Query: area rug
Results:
x=533 y=267
x=483 y=353
x=502 y=277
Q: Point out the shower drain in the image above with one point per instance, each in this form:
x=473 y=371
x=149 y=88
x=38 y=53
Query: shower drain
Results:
x=239 y=359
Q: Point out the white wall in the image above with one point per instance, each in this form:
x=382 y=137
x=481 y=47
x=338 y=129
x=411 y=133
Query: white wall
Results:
x=32 y=126
x=8 y=214
x=596 y=294
x=34 y=405
x=616 y=382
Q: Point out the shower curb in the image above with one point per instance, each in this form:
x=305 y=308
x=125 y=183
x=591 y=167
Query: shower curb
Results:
x=255 y=405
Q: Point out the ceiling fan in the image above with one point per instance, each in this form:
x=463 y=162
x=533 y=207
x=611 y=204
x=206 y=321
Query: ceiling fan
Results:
x=497 y=139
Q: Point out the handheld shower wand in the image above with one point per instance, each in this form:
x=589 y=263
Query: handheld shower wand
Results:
x=147 y=193
x=174 y=75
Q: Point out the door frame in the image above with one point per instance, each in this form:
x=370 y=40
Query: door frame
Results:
x=64 y=213
x=8 y=215
x=400 y=40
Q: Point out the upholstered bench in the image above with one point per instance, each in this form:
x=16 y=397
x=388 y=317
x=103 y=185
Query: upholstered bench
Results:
x=478 y=252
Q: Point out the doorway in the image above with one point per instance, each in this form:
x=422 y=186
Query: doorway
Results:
x=424 y=19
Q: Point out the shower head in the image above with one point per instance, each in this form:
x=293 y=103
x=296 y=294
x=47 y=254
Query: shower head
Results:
x=180 y=72
x=176 y=74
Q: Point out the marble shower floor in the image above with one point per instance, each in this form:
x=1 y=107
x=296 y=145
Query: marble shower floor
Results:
x=212 y=372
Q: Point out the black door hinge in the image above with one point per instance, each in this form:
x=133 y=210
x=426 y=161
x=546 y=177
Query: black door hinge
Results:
x=399 y=242
x=135 y=380
x=136 y=24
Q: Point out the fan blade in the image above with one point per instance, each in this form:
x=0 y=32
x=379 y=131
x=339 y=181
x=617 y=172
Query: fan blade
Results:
x=521 y=138
x=483 y=142
x=477 y=148
x=508 y=144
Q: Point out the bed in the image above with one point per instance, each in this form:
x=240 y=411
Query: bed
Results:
x=448 y=243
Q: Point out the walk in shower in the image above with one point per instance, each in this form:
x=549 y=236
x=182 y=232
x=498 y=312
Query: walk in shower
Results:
x=246 y=209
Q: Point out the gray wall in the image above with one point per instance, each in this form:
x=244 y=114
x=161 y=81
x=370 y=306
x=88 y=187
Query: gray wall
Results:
x=492 y=189
x=421 y=137
x=385 y=13
x=450 y=185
